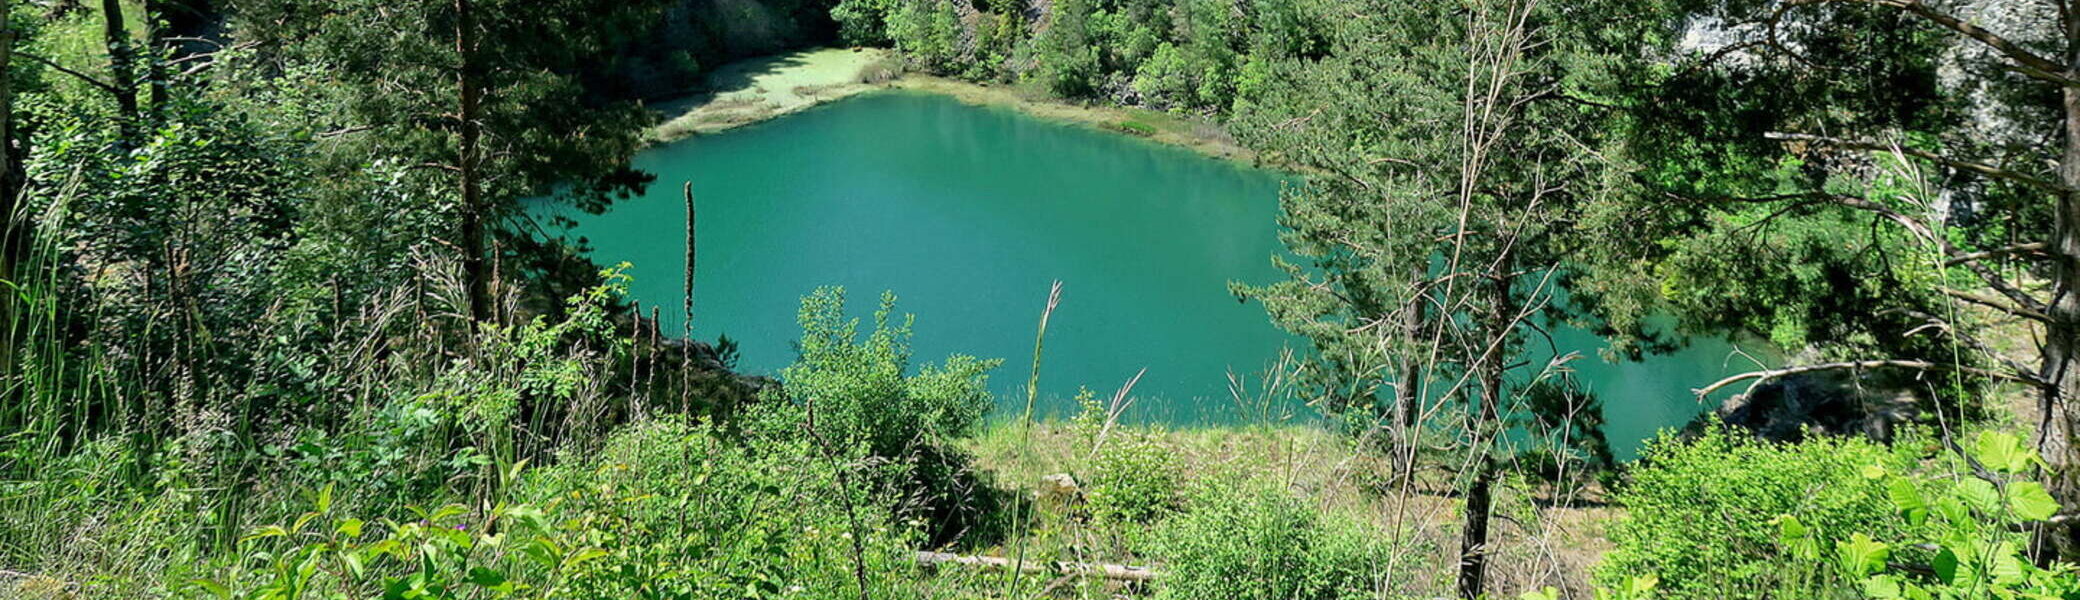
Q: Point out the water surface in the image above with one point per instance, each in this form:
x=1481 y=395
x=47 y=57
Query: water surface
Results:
x=969 y=213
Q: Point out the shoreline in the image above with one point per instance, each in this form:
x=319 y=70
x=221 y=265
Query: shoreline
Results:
x=762 y=89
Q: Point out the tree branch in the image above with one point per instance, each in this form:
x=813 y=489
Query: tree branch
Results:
x=1971 y=298
x=2029 y=248
x=89 y=79
x=2034 y=65
x=1965 y=165
x=1114 y=572
x=1761 y=377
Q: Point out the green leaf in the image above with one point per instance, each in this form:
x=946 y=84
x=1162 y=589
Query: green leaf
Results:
x=1946 y=567
x=1978 y=494
x=2002 y=452
x=1860 y=555
x=215 y=589
x=1544 y=593
x=1796 y=538
x=1881 y=587
x=265 y=532
x=483 y=577
x=1908 y=500
x=2030 y=502
x=1645 y=583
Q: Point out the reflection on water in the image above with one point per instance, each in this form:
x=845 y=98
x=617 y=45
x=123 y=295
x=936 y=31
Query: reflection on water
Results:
x=969 y=213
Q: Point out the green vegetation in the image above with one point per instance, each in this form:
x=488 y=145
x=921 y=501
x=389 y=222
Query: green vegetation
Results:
x=1703 y=515
x=278 y=326
x=1188 y=55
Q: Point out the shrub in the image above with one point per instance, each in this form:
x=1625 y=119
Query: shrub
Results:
x=1133 y=479
x=897 y=428
x=665 y=510
x=863 y=397
x=1702 y=515
x=1137 y=128
x=1975 y=524
x=1259 y=542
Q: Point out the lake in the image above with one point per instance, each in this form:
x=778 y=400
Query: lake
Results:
x=969 y=213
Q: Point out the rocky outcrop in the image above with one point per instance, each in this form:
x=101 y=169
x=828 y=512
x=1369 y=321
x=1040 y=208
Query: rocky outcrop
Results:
x=1866 y=403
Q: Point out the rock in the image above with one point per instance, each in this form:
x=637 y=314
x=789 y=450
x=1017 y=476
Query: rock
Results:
x=1058 y=491
x=1867 y=403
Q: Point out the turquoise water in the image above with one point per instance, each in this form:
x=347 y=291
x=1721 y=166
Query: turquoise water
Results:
x=969 y=213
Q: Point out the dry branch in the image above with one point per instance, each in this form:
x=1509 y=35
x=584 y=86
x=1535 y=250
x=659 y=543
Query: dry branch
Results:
x=1107 y=571
x=1761 y=377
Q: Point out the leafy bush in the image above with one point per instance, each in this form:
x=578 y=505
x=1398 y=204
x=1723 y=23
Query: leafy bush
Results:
x=860 y=391
x=1701 y=515
x=858 y=401
x=1133 y=479
x=1969 y=538
x=1258 y=542
x=665 y=510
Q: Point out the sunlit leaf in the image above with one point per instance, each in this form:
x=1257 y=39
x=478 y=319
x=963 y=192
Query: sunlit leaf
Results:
x=2030 y=502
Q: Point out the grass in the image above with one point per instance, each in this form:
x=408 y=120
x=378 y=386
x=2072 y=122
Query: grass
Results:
x=1137 y=128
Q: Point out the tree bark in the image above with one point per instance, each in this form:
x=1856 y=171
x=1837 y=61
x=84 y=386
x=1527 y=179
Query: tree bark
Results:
x=155 y=60
x=1473 y=534
x=122 y=69
x=468 y=156
x=2062 y=328
x=1480 y=497
x=15 y=226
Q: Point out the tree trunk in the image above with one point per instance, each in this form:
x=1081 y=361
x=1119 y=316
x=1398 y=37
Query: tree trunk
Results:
x=122 y=69
x=1408 y=383
x=15 y=227
x=1473 y=534
x=155 y=59
x=1480 y=497
x=1407 y=408
x=2062 y=332
x=474 y=273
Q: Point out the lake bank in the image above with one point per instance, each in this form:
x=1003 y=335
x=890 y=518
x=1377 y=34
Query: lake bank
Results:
x=762 y=89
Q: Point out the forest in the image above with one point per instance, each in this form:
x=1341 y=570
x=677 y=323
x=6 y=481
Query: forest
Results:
x=301 y=303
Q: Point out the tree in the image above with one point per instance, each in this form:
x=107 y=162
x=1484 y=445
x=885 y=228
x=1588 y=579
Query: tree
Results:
x=1455 y=143
x=1067 y=60
x=122 y=68
x=1875 y=179
x=485 y=94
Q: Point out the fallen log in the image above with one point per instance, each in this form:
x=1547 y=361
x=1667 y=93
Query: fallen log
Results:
x=1107 y=571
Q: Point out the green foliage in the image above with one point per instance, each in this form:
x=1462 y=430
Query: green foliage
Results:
x=1969 y=532
x=1133 y=480
x=1137 y=128
x=861 y=393
x=664 y=510
x=1705 y=515
x=1255 y=541
x=859 y=404
x=863 y=22
x=1098 y=48
x=928 y=32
